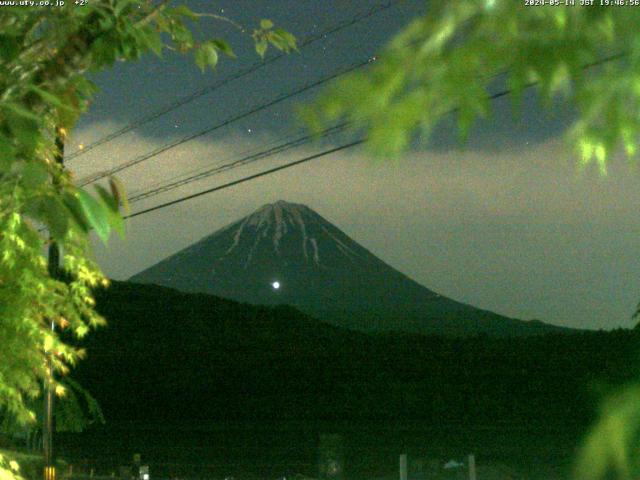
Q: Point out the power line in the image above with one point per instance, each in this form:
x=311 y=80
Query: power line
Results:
x=248 y=178
x=275 y=169
x=243 y=73
x=197 y=170
x=224 y=123
x=324 y=153
x=100 y=175
x=246 y=160
x=281 y=167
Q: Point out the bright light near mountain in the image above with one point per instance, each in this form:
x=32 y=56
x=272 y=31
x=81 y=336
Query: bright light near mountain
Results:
x=275 y=285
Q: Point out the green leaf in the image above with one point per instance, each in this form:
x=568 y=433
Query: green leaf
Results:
x=25 y=130
x=607 y=447
x=288 y=39
x=56 y=217
x=261 y=47
x=85 y=87
x=266 y=24
x=50 y=98
x=77 y=213
x=466 y=119
x=121 y=6
x=67 y=118
x=7 y=152
x=34 y=175
x=111 y=202
x=50 y=210
x=21 y=111
x=277 y=41
x=96 y=213
x=103 y=52
x=182 y=36
x=206 y=56
x=24 y=125
x=119 y=193
x=82 y=330
x=10 y=47
x=106 y=22
x=224 y=47
x=117 y=223
x=108 y=199
x=148 y=38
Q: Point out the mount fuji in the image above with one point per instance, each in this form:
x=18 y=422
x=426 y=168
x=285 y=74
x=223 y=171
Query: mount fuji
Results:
x=286 y=253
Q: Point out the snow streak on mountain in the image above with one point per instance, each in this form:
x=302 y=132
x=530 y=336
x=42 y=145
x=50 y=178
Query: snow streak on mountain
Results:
x=287 y=253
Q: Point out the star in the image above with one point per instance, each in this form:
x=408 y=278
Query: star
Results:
x=249 y=130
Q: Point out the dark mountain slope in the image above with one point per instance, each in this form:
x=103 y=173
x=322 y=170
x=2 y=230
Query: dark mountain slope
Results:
x=170 y=358
x=324 y=273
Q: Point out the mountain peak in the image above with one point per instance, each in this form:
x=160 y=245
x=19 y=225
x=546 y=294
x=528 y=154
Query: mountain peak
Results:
x=285 y=252
x=281 y=205
x=285 y=204
x=274 y=222
x=277 y=242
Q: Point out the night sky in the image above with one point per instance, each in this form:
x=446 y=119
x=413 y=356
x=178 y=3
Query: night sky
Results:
x=509 y=224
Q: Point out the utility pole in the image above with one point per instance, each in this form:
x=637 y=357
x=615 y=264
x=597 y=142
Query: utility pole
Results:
x=54 y=272
x=403 y=467
x=472 y=467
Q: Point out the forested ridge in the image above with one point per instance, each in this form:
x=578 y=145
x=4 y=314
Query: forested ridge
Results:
x=171 y=357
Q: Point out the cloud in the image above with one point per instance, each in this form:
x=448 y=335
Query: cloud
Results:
x=519 y=231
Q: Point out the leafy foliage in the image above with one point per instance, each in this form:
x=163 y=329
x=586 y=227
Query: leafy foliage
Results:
x=45 y=56
x=77 y=409
x=454 y=57
x=9 y=469
x=612 y=443
x=74 y=411
x=28 y=466
x=279 y=38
